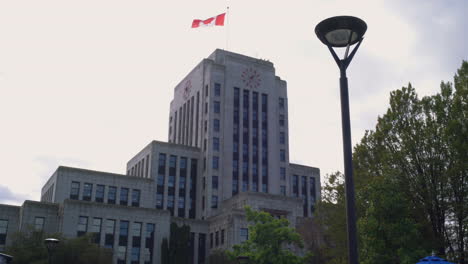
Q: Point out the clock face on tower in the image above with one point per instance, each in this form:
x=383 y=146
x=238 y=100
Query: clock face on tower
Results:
x=187 y=89
x=251 y=78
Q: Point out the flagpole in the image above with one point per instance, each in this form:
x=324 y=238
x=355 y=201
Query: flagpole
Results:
x=227 y=27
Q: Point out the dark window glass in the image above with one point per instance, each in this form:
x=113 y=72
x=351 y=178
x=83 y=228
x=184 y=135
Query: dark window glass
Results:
x=282 y=173
x=216 y=107
x=159 y=201
x=281 y=103
x=215 y=162
x=123 y=196
x=214 y=201
x=217 y=89
x=75 y=191
x=215 y=144
x=123 y=233
x=312 y=190
x=87 y=191
x=283 y=190
x=96 y=230
x=295 y=185
x=222 y=237
x=281 y=120
x=99 y=193
x=216 y=125
x=111 y=195
x=161 y=169
x=82 y=225
x=149 y=243
x=244 y=234
x=109 y=233
x=201 y=248
x=214 y=182
x=217 y=238
x=211 y=240
x=282 y=138
x=136 y=197
x=193 y=187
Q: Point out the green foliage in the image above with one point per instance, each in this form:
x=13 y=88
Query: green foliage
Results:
x=411 y=173
x=411 y=182
x=388 y=232
x=269 y=240
x=177 y=250
x=28 y=248
x=220 y=257
x=330 y=216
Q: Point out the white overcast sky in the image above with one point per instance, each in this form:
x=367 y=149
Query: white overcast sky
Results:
x=88 y=83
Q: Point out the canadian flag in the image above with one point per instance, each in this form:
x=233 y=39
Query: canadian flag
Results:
x=212 y=21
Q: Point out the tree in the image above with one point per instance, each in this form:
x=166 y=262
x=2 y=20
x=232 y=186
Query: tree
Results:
x=330 y=218
x=269 y=240
x=177 y=250
x=419 y=151
x=220 y=257
x=28 y=248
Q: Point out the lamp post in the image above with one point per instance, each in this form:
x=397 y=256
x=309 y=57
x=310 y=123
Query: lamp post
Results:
x=5 y=259
x=340 y=32
x=51 y=244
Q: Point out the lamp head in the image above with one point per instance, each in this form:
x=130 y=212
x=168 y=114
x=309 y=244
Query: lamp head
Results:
x=51 y=243
x=5 y=259
x=341 y=31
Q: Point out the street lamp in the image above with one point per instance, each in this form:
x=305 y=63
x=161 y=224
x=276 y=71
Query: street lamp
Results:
x=51 y=244
x=340 y=32
x=243 y=259
x=5 y=259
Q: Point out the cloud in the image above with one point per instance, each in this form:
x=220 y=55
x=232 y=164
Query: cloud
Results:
x=9 y=197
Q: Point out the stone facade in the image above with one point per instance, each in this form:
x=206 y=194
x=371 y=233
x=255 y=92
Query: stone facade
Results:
x=228 y=148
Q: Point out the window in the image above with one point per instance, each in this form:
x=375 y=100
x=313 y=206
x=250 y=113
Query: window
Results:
x=222 y=237
x=281 y=103
x=206 y=90
x=75 y=191
x=161 y=169
x=109 y=233
x=215 y=162
x=181 y=203
x=217 y=238
x=216 y=107
x=282 y=173
x=217 y=89
x=122 y=255
x=123 y=233
x=123 y=196
x=244 y=234
x=111 y=195
x=216 y=125
x=282 y=138
x=96 y=230
x=215 y=144
x=206 y=107
x=3 y=233
x=82 y=225
x=282 y=155
x=149 y=243
x=159 y=201
x=135 y=197
x=99 y=193
x=214 y=182
x=211 y=240
x=39 y=223
x=283 y=190
x=214 y=201
x=135 y=258
x=281 y=120
x=87 y=190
